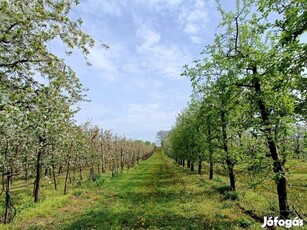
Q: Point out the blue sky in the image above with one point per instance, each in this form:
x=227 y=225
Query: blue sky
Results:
x=135 y=87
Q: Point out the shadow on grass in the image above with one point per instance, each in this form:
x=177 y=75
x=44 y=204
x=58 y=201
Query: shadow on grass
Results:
x=104 y=219
x=146 y=204
x=150 y=197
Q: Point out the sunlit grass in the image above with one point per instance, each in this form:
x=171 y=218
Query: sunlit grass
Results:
x=156 y=194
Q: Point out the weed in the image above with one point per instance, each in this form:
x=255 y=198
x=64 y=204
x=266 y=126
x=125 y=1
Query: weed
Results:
x=231 y=195
x=218 y=179
x=222 y=189
x=221 y=216
x=244 y=223
x=99 y=181
x=77 y=192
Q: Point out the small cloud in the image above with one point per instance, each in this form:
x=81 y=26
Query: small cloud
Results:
x=103 y=64
x=149 y=37
x=196 y=39
x=112 y=8
x=191 y=28
x=194 y=19
x=163 y=59
x=198 y=16
x=167 y=3
x=159 y=5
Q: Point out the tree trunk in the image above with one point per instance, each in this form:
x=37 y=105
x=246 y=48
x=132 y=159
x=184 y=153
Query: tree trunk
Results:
x=26 y=170
x=182 y=163
x=113 y=168
x=138 y=157
x=92 y=174
x=38 y=175
x=209 y=139
x=281 y=180
x=66 y=178
x=199 y=167
x=3 y=180
x=192 y=166
x=80 y=171
x=48 y=172
x=231 y=174
x=103 y=170
x=69 y=177
x=211 y=171
x=53 y=174
x=74 y=172
x=103 y=167
x=60 y=169
x=121 y=160
x=279 y=169
x=98 y=168
x=7 y=213
x=188 y=164
x=229 y=162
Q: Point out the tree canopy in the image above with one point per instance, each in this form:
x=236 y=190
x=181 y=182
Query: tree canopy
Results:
x=248 y=92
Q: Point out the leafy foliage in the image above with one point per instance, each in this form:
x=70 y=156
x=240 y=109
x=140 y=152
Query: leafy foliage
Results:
x=248 y=94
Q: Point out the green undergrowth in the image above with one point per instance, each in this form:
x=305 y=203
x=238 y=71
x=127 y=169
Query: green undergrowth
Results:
x=156 y=194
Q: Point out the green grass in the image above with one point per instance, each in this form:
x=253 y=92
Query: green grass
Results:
x=156 y=194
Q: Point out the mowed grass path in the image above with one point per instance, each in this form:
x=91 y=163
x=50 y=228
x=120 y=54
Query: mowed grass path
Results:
x=157 y=194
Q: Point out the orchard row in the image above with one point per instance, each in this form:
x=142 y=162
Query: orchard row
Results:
x=38 y=96
x=249 y=96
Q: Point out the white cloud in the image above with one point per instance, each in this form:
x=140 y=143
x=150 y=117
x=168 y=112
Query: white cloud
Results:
x=194 y=19
x=149 y=37
x=135 y=86
x=159 y=5
x=112 y=8
x=104 y=64
x=95 y=109
x=166 y=3
x=197 y=16
x=195 y=39
x=191 y=28
x=135 y=120
x=163 y=59
x=153 y=116
x=199 y=4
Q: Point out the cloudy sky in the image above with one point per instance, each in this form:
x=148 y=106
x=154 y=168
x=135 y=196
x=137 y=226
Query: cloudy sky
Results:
x=135 y=87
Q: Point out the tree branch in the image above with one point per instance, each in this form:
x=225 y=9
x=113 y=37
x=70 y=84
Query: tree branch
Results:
x=244 y=85
x=14 y=63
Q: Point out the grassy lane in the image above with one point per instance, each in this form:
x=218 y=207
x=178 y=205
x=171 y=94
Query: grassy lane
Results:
x=156 y=194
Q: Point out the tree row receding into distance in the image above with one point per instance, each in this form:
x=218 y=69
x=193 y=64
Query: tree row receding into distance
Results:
x=38 y=94
x=249 y=95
